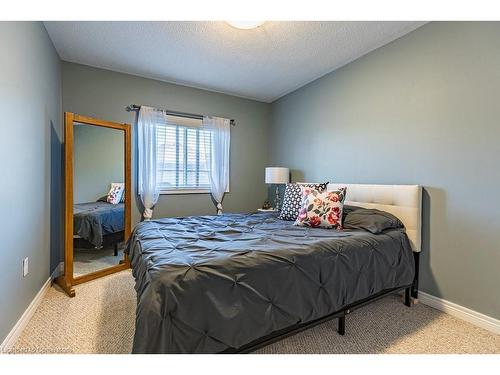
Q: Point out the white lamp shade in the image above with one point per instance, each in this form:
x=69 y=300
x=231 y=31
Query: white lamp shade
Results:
x=277 y=175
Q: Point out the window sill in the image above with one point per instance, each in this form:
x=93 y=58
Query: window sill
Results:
x=186 y=191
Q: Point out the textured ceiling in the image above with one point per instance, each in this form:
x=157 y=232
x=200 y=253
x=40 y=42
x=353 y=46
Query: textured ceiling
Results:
x=263 y=64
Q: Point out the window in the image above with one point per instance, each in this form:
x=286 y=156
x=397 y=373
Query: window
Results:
x=184 y=152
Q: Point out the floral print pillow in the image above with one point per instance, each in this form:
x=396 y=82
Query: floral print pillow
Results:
x=116 y=192
x=293 y=199
x=321 y=209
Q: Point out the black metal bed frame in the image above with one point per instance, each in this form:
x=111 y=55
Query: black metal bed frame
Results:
x=411 y=291
x=108 y=239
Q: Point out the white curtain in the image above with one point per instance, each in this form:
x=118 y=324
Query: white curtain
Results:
x=218 y=156
x=148 y=120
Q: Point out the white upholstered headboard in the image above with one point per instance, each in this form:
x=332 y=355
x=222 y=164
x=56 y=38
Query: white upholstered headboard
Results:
x=403 y=201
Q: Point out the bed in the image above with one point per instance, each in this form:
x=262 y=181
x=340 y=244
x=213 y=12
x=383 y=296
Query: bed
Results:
x=96 y=221
x=235 y=282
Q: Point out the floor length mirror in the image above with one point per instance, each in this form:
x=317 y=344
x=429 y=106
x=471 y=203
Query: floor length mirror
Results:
x=97 y=199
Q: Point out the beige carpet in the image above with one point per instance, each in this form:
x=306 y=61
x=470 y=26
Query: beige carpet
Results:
x=100 y=319
x=90 y=260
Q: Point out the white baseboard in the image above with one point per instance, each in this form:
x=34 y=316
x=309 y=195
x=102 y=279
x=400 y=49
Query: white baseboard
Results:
x=471 y=316
x=18 y=328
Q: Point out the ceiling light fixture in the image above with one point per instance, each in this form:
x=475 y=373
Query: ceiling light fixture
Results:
x=245 y=25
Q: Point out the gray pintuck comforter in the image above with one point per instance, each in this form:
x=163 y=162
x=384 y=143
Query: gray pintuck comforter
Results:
x=93 y=220
x=208 y=284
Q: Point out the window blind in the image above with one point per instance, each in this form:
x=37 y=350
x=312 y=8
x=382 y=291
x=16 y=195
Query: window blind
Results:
x=181 y=146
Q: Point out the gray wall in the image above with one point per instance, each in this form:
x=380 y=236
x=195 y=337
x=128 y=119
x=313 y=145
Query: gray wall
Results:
x=104 y=94
x=98 y=161
x=422 y=110
x=30 y=150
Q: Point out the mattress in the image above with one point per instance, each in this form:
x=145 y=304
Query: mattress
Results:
x=93 y=220
x=208 y=284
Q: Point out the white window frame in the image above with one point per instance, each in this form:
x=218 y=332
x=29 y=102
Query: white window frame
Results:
x=188 y=122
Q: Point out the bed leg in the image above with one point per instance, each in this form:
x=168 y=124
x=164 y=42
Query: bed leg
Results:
x=407 y=297
x=414 y=288
x=341 y=329
x=115 y=250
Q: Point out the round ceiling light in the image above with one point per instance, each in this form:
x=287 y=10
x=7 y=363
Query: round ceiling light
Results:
x=245 y=25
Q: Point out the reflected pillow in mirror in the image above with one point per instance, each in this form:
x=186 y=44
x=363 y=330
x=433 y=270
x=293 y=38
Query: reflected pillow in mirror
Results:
x=116 y=192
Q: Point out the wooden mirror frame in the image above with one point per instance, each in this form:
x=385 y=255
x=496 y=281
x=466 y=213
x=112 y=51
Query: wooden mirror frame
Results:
x=66 y=281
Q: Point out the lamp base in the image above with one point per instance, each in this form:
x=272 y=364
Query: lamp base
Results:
x=277 y=200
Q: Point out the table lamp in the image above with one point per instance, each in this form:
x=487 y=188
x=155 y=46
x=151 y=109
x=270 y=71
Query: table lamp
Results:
x=277 y=176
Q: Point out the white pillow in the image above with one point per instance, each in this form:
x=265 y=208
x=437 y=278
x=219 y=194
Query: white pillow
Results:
x=116 y=192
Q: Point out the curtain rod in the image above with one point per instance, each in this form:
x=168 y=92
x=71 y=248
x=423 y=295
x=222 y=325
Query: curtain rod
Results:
x=136 y=108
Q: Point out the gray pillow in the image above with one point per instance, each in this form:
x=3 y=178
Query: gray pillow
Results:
x=105 y=199
x=374 y=221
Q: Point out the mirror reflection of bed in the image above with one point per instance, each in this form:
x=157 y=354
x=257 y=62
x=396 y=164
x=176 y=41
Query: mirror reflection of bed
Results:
x=99 y=214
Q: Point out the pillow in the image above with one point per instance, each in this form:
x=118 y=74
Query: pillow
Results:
x=104 y=198
x=372 y=220
x=321 y=209
x=293 y=199
x=116 y=192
